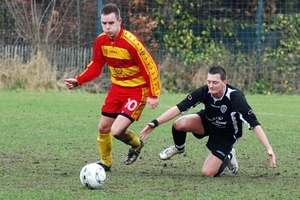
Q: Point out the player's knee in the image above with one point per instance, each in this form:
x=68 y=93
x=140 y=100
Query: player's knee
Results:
x=179 y=125
x=122 y=136
x=103 y=129
x=116 y=132
x=208 y=172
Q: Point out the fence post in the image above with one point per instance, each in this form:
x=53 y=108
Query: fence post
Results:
x=259 y=30
x=99 y=28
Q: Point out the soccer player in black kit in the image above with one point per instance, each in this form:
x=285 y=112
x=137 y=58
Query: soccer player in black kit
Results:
x=225 y=111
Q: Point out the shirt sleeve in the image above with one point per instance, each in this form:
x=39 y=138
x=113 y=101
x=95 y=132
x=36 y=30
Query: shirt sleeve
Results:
x=148 y=68
x=94 y=68
x=193 y=99
x=240 y=104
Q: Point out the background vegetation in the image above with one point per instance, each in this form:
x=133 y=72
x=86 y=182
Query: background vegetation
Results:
x=259 y=48
x=47 y=137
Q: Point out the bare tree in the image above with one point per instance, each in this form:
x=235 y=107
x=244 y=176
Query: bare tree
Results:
x=41 y=22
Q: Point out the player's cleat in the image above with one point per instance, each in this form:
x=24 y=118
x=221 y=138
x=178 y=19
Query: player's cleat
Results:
x=133 y=154
x=169 y=152
x=233 y=165
x=106 y=168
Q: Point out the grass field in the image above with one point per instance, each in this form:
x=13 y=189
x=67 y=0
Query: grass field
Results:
x=46 y=138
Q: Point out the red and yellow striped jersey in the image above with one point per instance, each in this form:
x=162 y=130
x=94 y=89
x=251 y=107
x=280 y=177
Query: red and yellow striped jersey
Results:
x=130 y=64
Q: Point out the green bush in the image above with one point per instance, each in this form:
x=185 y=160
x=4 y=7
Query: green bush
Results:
x=273 y=71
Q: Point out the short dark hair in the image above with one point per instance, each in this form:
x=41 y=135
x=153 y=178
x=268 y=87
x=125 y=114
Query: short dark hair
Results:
x=111 y=8
x=218 y=70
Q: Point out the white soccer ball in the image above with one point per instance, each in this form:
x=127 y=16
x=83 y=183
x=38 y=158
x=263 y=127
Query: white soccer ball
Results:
x=92 y=176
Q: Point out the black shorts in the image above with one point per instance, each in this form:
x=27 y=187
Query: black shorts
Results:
x=219 y=147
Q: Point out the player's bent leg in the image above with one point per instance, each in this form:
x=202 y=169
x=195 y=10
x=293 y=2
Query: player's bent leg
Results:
x=179 y=137
x=133 y=139
x=222 y=167
x=211 y=166
x=135 y=149
x=119 y=127
x=120 y=132
x=190 y=123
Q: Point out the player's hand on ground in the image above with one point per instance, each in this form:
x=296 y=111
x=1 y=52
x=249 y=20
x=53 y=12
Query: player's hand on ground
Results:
x=147 y=130
x=71 y=83
x=272 y=158
x=152 y=102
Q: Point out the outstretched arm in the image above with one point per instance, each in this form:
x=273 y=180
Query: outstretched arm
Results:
x=71 y=83
x=264 y=140
x=165 y=117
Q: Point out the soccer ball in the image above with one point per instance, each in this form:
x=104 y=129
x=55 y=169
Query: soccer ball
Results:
x=92 y=176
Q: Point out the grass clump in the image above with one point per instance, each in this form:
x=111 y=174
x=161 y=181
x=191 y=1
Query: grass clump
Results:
x=36 y=74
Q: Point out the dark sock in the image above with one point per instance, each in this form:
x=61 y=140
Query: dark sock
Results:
x=178 y=137
x=222 y=167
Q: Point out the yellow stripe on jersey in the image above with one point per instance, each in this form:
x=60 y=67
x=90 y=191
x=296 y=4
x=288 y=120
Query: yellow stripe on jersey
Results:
x=116 y=52
x=124 y=72
x=129 y=83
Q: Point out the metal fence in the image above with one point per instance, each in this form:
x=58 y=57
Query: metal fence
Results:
x=247 y=37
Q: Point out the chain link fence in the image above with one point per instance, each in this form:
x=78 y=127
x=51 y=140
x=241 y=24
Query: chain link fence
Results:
x=257 y=41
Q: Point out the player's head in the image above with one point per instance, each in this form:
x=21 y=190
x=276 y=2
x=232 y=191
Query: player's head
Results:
x=218 y=70
x=216 y=81
x=111 y=20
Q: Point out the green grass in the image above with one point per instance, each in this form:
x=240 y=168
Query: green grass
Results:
x=46 y=138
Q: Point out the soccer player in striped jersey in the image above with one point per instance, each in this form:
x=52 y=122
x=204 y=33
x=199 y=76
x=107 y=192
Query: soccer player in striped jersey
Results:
x=135 y=84
x=225 y=111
